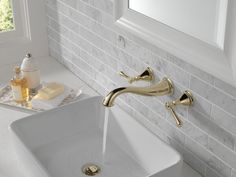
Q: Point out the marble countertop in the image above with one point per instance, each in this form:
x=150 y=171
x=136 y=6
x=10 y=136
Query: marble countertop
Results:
x=10 y=165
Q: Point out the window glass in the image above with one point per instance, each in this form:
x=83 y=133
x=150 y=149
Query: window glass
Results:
x=6 y=16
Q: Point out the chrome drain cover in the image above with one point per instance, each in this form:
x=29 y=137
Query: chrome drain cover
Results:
x=91 y=169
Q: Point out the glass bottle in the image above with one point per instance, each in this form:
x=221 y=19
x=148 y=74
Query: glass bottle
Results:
x=19 y=86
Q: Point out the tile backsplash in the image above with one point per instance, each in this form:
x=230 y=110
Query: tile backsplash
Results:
x=83 y=37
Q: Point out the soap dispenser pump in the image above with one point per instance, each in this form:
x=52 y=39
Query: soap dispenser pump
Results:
x=31 y=72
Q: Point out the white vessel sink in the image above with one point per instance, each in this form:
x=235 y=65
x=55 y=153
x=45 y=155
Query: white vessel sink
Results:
x=57 y=143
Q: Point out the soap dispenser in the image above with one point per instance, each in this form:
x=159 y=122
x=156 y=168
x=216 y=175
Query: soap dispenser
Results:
x=31 y=72
x=19 y=86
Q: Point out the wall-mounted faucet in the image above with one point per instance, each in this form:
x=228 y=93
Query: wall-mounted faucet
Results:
x=164 y=87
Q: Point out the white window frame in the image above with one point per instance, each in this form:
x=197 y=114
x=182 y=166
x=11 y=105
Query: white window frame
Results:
x=220 y=62
x=29 y=35
x=20 y=23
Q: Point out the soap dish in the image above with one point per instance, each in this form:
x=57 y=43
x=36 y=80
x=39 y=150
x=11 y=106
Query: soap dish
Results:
x=6 y=98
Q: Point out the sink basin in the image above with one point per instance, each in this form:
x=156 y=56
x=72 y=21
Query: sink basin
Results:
x=59 y=142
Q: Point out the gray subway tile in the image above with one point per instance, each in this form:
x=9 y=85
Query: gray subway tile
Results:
x=231 y=90
x=211 y=128
x=176 y=145
x=197 y=150
x=195 y=133
x=212 y=173
x=89 y=11
x=71 y=3
x=94 y=26
x=153 y=104
x=194 y=162
x=226 y=155
x=191 y=69
x=104 y=5
x=172 y=131
x=202 y=105
x=214 y=95
x=224 y=119
x=219 y=166
x=211 y=160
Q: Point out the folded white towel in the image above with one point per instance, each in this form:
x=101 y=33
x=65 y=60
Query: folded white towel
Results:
x=52 y=103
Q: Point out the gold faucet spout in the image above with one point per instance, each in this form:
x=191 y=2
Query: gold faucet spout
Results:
x=164 y=87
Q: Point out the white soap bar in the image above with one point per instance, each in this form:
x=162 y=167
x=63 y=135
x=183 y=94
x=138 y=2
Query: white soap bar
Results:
x=50 y=91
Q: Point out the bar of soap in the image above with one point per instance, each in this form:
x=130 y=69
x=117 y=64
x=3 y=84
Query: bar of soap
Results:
x=50 y=91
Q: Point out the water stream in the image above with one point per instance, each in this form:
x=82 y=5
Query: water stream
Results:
x=105 y=127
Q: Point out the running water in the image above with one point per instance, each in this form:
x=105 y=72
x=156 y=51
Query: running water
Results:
x=105 y=126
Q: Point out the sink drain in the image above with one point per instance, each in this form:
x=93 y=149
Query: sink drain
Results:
x=91 y=169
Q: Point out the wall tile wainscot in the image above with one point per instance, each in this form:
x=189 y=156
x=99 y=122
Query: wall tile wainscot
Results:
x=83 y=37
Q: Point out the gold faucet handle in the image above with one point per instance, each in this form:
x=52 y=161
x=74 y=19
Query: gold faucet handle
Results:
x=177 y=119
x=147 y=75
x=186 y=99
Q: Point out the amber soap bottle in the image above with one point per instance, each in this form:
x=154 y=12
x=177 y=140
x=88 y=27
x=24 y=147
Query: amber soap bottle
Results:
x=19 y=86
